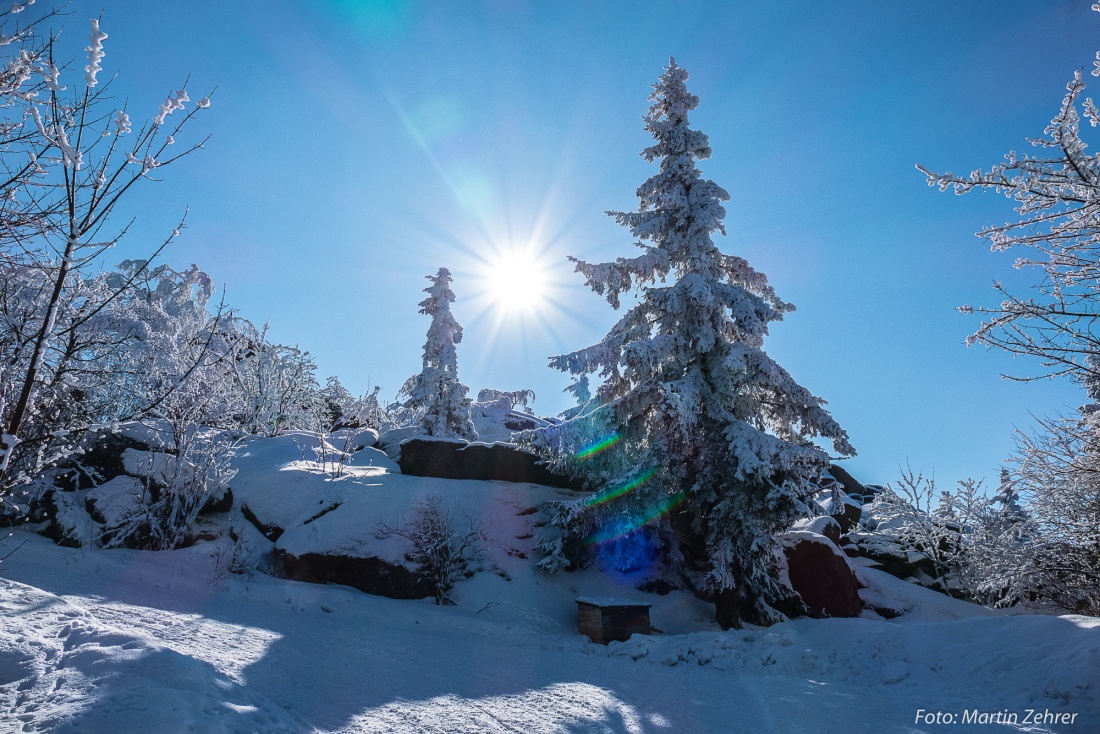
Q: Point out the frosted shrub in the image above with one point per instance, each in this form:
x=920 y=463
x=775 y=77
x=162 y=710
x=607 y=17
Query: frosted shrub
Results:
x=443 y=545
x=179 y=478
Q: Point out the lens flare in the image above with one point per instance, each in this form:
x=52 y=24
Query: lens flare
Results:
x=600 y=445
x=621 y=531
x=599 y=499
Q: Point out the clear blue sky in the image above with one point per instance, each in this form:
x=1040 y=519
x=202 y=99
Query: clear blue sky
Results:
x=359 y=145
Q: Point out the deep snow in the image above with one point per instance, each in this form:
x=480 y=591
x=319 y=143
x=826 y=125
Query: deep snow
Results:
x=128 y=641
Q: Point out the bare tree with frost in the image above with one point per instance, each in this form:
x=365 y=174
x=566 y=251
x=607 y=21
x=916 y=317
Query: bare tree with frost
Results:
x=443 y=546
x=69 y=158
x=436 y=392
x=697 y=429
x=1057 y=193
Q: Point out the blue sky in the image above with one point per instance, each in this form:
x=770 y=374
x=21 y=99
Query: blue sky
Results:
x=359 y=145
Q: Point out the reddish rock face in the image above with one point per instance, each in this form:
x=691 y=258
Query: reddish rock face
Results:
x=456 y=460
x=372 y=575
x=822 y=577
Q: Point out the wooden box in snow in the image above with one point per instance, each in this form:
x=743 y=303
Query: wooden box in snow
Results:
x=604 y=620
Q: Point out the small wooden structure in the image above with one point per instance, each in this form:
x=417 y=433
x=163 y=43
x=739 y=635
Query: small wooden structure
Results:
x=604 y=620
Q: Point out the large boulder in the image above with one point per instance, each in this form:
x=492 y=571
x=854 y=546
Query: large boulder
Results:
x=366 y=573
x=454 y=459
x=111 y=502
x=821 y=574
x=66 y=519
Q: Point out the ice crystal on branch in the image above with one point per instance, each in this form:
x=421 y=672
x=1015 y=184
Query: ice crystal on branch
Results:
x=696 y=429
x=95 y=53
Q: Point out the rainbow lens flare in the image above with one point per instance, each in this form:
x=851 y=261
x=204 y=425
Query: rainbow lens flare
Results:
x=634 y=524
x=600 y=445
x=599 y=499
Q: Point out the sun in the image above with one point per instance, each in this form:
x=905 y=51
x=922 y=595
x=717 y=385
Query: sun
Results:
x=516 y=282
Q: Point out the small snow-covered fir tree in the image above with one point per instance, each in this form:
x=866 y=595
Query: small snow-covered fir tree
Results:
x=436 y=390
x=697 y=430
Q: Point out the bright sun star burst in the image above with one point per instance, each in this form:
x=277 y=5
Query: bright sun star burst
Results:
x=516 y=282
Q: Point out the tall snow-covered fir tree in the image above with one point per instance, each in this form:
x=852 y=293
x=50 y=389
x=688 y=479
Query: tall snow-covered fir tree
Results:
x=695 y=433
x=436 y=390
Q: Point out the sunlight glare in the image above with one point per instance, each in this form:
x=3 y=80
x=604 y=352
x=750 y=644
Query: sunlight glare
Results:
x=516 y=282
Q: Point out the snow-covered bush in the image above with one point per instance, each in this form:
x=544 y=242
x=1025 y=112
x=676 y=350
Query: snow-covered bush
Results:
x=336 y=402
x=368 y=412
x=991 y=548
x=696 y=431
x=178 y=478
x=934 y=524
x=276 y=383
x=1058 y=479
x=436 y=394
x=443 y=545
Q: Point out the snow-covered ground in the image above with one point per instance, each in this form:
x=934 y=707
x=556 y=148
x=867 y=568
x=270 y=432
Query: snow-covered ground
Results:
x=128 y=641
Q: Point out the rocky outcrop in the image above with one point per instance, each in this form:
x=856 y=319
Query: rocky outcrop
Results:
x=218 y=503
x=825 y=526
x=852 y=487
x=448 y=459
x=370 y=574
x=890 y=557
x=822 y=575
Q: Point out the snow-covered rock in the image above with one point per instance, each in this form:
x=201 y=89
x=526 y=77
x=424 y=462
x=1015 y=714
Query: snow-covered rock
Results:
x=353 y=439
x=842 y=508
x=390 y=441
x=100 y=455
x=821 y=574
x=112 y=501
x=451 y=459
x=824 y=525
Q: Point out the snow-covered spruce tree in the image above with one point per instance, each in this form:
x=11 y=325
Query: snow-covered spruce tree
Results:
x=697 y=432
x=436 y=391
